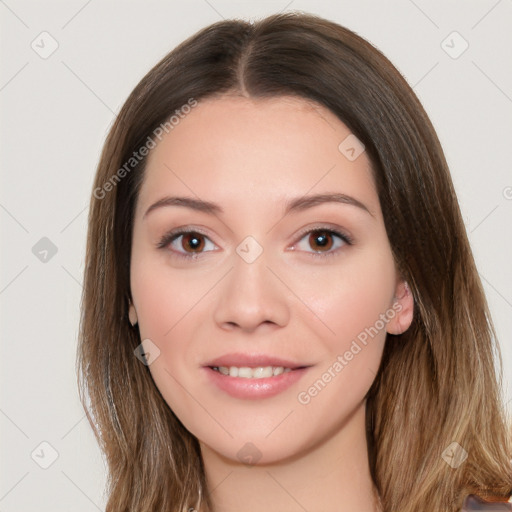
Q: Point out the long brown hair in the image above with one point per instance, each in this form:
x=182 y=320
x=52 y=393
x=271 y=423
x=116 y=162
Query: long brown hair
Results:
x=437 y=383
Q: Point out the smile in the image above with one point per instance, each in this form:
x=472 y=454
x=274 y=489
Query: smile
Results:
x=246 y=372
x=253 y=383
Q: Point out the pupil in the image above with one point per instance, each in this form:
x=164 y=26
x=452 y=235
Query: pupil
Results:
x=322 y=239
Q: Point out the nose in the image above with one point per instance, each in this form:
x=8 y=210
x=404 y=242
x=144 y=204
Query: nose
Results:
x=251 y=297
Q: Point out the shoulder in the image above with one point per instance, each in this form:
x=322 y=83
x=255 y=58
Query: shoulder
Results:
x=475 y=503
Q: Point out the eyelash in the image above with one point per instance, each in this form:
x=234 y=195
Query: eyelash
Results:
x=169 y=237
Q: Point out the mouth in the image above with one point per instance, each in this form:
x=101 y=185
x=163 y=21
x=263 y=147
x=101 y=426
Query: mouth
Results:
x=254 y=382
x=253 y=376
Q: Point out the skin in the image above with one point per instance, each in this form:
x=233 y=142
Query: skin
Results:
x=250 y=157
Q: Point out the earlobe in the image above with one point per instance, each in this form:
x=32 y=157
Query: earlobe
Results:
x=132 y=315
x=403 y=306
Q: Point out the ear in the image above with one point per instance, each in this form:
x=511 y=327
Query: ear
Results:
x=132 y=314
x=403 y=305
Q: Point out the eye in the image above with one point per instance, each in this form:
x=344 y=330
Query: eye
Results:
x=190 y=244
x=186 y=243
x=324 y=241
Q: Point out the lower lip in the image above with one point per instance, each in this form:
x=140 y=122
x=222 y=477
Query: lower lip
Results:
x=240 y=387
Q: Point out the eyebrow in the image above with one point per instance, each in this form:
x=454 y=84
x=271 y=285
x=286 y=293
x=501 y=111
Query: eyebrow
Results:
x=292 y=205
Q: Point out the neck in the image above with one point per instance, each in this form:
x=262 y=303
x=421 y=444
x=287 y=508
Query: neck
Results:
x=333 y=476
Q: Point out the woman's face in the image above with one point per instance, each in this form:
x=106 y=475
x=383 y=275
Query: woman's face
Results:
x=247 y=283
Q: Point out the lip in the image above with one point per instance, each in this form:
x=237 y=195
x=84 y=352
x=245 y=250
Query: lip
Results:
x=240 y=387
x=253 y=361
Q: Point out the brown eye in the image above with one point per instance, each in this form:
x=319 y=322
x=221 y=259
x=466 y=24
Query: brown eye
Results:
x=186 y=243
x=320 y=240
x=192 y=242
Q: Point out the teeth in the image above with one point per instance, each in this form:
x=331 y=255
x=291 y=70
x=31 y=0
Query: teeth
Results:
x=252 y=373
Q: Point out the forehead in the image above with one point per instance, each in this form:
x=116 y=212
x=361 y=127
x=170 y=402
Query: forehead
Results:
x=237 y=150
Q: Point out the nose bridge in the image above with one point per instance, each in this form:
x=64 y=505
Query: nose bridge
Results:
x=251 y=294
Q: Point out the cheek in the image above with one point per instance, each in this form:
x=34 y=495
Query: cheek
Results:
x=170 y=307
x=353 y=309
x=351 y=299
x=164 y=299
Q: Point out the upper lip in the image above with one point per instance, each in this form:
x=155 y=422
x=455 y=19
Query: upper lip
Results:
x=253 y=360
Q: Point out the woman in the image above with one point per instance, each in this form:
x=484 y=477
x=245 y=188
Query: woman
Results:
x=281 y=307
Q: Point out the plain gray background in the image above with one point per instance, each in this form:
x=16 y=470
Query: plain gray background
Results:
x=56 y=111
